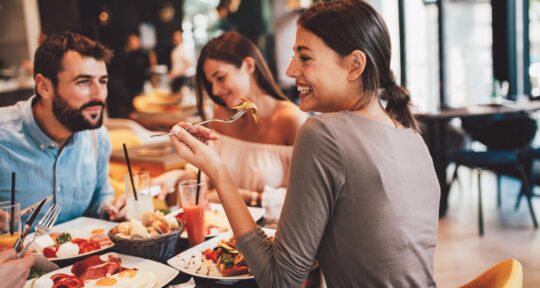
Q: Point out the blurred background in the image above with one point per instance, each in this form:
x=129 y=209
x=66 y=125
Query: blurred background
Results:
x=451 y=54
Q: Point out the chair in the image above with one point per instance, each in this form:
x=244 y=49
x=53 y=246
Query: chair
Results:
x=508 y=140
x=534 y=154
x=506 y=274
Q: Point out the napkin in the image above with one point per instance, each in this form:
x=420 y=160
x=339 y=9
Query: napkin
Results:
x=272 y=201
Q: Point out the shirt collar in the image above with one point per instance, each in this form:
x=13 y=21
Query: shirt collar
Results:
x=33 y=128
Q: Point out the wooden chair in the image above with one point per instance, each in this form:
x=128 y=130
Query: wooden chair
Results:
x=506 y=274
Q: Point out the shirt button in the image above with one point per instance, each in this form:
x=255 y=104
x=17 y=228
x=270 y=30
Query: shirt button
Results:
x=59 y=188
x=42 y=146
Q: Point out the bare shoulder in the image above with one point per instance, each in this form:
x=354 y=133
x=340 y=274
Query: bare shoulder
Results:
x=288 y=112
x=290 y=118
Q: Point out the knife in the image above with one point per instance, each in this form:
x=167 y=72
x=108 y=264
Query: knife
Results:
x=30 y=209
x=29 y=223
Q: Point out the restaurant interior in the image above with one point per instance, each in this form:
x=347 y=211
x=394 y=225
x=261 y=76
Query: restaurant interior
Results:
x=472 y=68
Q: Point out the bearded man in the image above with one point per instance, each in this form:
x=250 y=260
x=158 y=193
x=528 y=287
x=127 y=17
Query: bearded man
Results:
x=55 y=141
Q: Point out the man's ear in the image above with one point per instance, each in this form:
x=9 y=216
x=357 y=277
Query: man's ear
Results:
x=44 y=86
x=357 y=64
x=250 y=64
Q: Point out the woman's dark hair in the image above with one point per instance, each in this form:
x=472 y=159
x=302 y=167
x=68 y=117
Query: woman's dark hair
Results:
x=50 y=54
x=348 y=25
x=233 y=48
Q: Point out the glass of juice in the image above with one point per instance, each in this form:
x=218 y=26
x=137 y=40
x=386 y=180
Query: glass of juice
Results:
x=10 y=231
x=144 y=199
x=193 y=210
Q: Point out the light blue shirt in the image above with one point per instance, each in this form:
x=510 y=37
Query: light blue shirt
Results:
x=76 y=174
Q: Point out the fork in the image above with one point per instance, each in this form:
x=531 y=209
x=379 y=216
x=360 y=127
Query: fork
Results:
x=231 y=119
x=44 y=226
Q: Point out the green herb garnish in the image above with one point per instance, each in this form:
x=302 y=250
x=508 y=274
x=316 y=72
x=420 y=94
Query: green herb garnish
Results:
x=164 y=211
x=63 y=238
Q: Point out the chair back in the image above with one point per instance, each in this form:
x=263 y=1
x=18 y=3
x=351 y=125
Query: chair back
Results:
x=502 y=132
x=506 y=274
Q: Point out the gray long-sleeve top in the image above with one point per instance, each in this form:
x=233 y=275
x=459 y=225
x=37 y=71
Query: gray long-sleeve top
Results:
x=363 y=201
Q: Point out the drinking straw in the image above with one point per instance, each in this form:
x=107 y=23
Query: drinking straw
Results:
x=198 y=187
x=130 y=174
x=12 y=218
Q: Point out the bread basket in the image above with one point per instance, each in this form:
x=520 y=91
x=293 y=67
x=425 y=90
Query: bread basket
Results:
x=159 y=248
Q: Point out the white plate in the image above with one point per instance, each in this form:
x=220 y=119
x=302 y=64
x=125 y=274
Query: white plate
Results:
x=164 y=273
x=256 y=213
x=192 y=261
x=81 y=228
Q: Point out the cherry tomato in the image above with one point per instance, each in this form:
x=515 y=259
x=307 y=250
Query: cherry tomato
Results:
x=59 y=276
x=49 y=252
x=211 y=255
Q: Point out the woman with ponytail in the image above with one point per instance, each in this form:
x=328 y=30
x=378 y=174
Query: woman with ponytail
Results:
x=363 y=195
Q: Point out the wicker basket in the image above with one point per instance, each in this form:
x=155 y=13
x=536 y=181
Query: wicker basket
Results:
x=158 y=248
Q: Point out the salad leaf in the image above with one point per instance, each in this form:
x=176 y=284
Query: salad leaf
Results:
x=63 y=238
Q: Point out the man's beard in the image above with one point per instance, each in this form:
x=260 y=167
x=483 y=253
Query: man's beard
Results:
x=72 y=118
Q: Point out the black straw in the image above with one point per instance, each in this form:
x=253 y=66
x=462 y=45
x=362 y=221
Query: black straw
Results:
x=130 y=174
x=12 y=219
x=198 y=187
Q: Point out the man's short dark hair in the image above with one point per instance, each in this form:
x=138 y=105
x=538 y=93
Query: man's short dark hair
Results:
x=49 y=55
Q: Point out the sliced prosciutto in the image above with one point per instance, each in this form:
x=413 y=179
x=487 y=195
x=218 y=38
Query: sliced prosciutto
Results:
x=94 y=268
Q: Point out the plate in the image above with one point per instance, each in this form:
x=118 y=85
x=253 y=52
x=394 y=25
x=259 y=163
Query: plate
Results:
x=256 y=213
x=193 y=263
x=165 y=273
x=81 y=228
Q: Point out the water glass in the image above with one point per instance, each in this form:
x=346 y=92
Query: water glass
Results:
x=144 y=203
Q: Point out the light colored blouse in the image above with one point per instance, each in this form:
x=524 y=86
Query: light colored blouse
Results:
x=255 y=165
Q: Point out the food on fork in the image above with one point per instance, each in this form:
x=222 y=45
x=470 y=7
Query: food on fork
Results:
x=247 y=105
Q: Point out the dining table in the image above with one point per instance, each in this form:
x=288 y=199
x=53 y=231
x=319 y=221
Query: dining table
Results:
x=436 y=123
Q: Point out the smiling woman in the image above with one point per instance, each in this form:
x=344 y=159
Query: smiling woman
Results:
x=231 y=70
x=360 y=172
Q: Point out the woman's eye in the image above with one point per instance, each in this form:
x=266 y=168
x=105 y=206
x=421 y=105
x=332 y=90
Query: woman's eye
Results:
x=220 y=78
x=304 y=58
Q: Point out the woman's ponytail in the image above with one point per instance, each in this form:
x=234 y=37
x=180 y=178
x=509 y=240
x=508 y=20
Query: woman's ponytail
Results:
x=398 y=102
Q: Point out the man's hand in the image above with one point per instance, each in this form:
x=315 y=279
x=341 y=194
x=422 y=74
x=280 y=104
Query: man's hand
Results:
x=13 y=271
x=167 y=181
x=117 y=209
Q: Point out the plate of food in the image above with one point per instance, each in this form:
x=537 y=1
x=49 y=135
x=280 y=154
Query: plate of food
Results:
x=111 y=270
x=215 y=220
x=73 y=239
x=216 y=259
